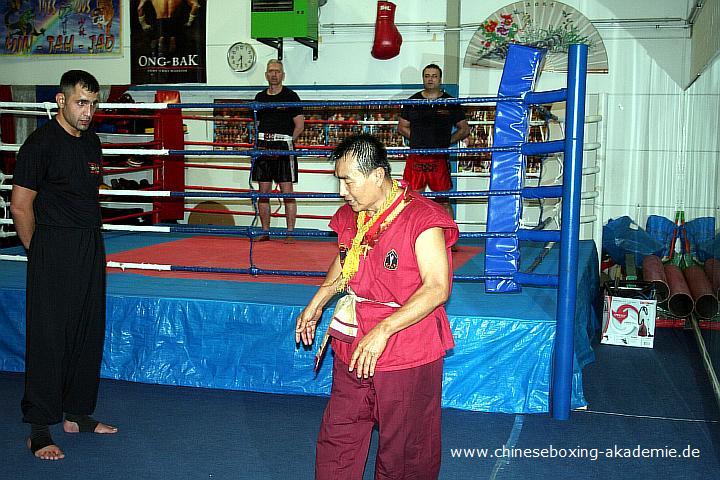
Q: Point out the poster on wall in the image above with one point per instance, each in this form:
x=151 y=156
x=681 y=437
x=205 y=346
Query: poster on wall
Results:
x=167 y=41
x=61 y=27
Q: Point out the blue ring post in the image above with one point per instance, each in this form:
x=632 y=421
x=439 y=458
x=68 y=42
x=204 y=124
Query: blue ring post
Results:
x=563 y=361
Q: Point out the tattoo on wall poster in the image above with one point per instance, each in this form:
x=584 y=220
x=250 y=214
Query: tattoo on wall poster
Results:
x=167 y=41
x=57 y=27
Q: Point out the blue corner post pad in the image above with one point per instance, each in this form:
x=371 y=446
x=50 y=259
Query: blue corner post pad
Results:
x=512 y=123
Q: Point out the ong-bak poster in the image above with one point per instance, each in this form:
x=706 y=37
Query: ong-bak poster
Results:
x=167 y=41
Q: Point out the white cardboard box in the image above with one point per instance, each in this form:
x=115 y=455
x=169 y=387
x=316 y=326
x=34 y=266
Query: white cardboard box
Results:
x=629 y=321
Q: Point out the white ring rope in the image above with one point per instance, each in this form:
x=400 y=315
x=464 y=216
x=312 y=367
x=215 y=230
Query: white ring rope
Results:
x=15 y=147
x=139 y=266
x=102 y=106
x=135 y=228
x=136 y=193
x=109 y=264
x=13 y=258
x=23 y=112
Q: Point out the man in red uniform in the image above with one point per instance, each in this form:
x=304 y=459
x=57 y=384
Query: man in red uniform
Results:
x=431 y=126
x=394 y=263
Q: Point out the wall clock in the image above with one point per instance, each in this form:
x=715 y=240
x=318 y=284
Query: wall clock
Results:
x=241 y=56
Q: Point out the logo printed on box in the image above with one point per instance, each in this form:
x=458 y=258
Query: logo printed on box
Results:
x=629 y=321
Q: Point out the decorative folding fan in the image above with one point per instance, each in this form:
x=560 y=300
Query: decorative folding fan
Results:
x=545 y=24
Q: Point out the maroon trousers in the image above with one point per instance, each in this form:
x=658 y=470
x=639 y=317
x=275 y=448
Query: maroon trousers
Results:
x=404 y=404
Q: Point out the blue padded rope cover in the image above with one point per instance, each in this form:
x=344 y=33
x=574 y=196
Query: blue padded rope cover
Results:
x=522 y=68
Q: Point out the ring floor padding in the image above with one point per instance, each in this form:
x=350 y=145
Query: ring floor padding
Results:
x=239 y=334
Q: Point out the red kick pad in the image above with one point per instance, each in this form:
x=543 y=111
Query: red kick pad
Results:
x=233 y=252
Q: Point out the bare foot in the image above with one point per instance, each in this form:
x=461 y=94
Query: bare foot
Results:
x=51 y=452
x=72 y=427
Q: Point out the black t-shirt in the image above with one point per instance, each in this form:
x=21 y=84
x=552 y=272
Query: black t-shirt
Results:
x=65 y=171
x=278 y=120
x=431 y=125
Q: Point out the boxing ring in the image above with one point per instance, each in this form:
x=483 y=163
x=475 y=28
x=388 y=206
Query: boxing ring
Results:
x=207 y=306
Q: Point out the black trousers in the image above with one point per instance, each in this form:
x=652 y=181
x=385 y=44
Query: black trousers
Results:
x=65 y=323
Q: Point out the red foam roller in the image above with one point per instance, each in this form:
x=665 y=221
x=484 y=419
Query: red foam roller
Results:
x=712 y=270
x=706 y=305
x=680 y=303
x=654 y=272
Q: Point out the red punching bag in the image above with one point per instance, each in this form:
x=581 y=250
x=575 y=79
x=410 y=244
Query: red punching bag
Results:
x=387 y=38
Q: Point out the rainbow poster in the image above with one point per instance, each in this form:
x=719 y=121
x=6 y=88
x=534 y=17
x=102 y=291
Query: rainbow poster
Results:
x=61 y=27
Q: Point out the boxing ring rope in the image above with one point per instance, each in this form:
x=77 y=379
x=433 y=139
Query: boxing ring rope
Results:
x=570 y=192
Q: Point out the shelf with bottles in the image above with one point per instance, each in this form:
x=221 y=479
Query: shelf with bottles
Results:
x=482 y=124
x=324 y=128
x=232 y=127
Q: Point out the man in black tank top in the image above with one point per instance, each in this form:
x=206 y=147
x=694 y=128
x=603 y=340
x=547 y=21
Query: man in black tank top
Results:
x=278 y=128
x=56 y=214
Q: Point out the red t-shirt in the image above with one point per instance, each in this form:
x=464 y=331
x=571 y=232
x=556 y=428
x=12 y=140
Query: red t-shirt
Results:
x=389 y=273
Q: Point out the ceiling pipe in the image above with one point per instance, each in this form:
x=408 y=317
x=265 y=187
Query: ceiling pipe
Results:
x=697 y=6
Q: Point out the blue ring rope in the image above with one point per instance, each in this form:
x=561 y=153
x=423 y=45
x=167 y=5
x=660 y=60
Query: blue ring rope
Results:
x=250 y=152
x=535 y=148
x=533 y=279
x=534 y=98
x=251 y=232
x=553 y=191
x=254 y=105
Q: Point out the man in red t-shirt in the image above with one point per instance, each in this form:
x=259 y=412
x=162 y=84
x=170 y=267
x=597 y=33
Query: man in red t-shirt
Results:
x=431 y=126
x=394 y=263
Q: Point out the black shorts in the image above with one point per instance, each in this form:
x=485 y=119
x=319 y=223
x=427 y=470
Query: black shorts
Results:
x=275 y=168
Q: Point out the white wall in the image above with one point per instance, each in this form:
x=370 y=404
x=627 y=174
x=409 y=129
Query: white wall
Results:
x=703 y=139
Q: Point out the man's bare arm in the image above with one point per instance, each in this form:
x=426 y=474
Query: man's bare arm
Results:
x=462 y=132
x=403 y=127
x=306 y=322
x=194 y=9
x=299 y=121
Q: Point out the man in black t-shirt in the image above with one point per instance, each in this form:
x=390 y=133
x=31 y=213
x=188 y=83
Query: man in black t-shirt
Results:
x=56 y=214
x=277 y=129
x=431 y=126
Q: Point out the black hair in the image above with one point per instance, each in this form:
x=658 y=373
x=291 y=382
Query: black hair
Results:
x=369 y=152
x=432 y=65
x=78 y=77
